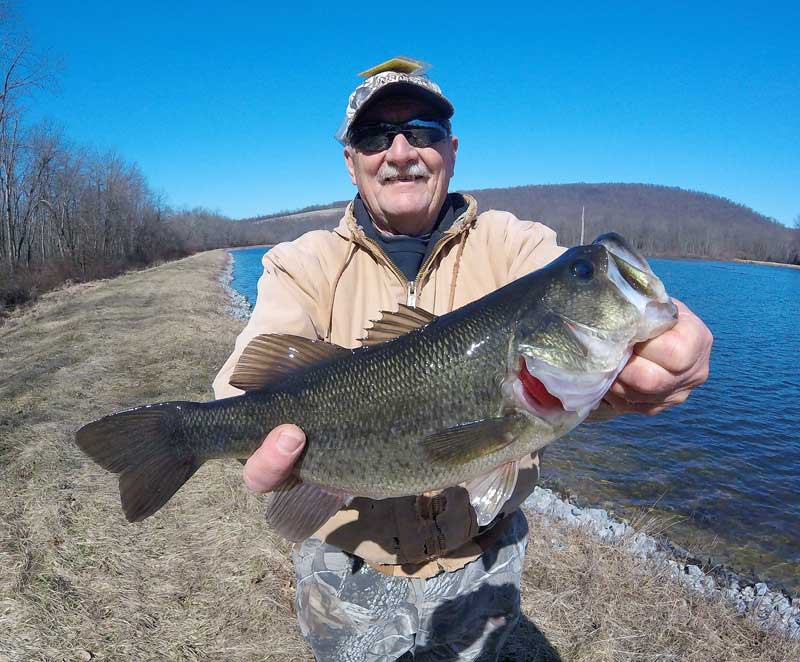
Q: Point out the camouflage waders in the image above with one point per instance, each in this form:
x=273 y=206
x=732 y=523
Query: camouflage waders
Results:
x=350 y=612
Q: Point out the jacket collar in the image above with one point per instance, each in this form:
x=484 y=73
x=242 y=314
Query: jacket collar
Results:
x=349 y=228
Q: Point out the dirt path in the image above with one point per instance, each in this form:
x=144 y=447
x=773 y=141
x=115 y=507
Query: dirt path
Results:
x=204 y=579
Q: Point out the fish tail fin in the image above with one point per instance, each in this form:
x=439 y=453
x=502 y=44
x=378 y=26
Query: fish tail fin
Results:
x=148 y=448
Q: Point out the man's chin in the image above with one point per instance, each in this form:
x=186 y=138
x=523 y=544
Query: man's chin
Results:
x=411 y=222
x=406 y=201
x=407 y=212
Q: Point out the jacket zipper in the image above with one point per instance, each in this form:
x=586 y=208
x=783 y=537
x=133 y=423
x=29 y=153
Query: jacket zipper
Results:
x=400 y=275
x=411 y=285
x=437 y=247
x=411 y=299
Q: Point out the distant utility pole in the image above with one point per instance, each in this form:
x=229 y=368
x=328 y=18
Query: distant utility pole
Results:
x=583 y=225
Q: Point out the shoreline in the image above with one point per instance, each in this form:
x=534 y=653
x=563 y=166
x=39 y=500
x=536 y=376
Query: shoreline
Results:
x=236 y=303
x=771 y=609
x=767 y=264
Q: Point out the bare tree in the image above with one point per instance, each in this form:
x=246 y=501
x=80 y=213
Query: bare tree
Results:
x=20 y=73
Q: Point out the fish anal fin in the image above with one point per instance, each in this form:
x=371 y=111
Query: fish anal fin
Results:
x=272 y=357
x=297 y=509
x=489 y=492
x=392 y=325
x=464 y=443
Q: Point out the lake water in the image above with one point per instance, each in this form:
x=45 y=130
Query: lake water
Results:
x=720 y=474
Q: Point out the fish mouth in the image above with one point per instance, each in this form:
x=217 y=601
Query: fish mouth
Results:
x=551 y=394
x=535 y=393
x=630 y=272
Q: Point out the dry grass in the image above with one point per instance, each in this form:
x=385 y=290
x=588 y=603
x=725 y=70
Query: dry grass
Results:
x=205 y=579
x=590 y=601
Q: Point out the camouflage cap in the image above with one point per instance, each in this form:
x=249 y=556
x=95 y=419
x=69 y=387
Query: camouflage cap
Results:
x=401 y=76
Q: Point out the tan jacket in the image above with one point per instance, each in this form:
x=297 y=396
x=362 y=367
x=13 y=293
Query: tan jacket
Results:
x=329 y=285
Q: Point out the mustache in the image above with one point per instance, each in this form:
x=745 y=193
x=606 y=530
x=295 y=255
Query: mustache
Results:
x=389 y=171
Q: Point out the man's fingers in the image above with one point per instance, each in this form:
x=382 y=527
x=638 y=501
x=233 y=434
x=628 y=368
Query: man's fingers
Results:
x=623 y=406
x=681 y=348
x=272 y=463
x=644 y=381
x=663 y=371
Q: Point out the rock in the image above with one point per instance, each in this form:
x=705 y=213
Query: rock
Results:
x=562 y=510
x=643 y=546
x=597 y=515
x=763 y=612
x=237 y=305
x=617 y=529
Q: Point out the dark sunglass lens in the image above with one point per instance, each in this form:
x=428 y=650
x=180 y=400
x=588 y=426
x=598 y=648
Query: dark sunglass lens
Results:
x=378 y=137
x=372 y=143
x=424 y=136
x=369 y=140
x=373 y=138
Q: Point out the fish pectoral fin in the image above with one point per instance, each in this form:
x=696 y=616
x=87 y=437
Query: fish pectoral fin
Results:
x=489 y=492
x=297 y=509
x=394 y=325
x=272 y=357
x=463 y=443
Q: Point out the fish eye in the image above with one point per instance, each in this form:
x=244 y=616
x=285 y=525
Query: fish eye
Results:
x=583 y=269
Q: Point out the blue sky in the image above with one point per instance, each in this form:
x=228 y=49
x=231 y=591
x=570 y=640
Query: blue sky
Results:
x=233 y=105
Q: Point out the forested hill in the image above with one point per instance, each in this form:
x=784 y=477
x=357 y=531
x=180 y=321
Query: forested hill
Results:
x=660 y=220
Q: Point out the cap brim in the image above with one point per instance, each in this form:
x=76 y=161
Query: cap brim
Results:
x=411 y=91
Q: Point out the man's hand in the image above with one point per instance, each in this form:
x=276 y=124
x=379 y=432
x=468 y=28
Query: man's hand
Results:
x=272 y=463
x=663 y=371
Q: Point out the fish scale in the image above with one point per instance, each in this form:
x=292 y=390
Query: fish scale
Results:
x=341 y=406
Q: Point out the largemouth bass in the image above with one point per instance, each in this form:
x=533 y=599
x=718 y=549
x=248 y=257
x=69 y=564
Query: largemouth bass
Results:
x=427 y=403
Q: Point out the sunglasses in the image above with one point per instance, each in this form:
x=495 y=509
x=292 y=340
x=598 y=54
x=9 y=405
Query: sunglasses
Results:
x=378 y=137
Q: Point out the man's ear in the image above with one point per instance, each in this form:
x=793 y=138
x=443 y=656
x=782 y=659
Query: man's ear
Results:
x=351 y=167
x=454 y=143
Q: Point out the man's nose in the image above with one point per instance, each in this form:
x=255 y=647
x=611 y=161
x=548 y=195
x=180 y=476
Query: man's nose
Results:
x=401 y=151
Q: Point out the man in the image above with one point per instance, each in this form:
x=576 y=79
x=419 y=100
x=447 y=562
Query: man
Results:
x=417 y=574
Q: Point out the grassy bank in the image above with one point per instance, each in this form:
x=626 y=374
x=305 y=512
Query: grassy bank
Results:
x=204 y=579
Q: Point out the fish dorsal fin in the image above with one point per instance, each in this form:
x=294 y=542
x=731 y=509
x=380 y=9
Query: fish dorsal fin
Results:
x=393 y=325
x=489 y=492
x=464 y=443
x=297 y=509
x=270 y=358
